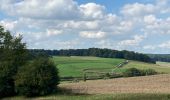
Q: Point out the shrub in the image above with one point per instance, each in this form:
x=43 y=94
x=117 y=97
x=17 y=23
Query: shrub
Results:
x=132 y=72
x=6 y=80
x=149 y=72
x=40 y=77
x=136 y=72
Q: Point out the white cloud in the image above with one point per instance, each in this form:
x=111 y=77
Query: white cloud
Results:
x=124 y=27
x=165 y=45
x=9 y=25
x=81 y=25
x=149 y=19
x=43 y=9
x=133 y=42
x=60 y=21
x=53 y=9
x=137 y=9
x=155 y=25
x=149 y=47
x=67 y=44
x=92 y=34
x=92 y=10
x=53 y=32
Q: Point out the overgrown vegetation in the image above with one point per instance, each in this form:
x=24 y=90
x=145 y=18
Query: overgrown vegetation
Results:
x=131 y=72
x=20 y=75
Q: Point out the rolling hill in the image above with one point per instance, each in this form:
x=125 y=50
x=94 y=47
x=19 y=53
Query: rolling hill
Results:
x=73 y=66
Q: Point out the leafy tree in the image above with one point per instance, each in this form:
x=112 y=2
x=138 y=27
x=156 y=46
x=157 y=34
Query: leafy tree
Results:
x=39 y=77
x=12 y=55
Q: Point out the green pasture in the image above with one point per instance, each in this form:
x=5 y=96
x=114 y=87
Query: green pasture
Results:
x=73 y=66
x=141 y=65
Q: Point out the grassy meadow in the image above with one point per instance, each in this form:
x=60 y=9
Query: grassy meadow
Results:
x=160 y=67
x=73 y=66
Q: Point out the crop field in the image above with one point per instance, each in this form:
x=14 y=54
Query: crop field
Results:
x=73 y=66
x=154 y=87
x=127 y=96
x=142 y=84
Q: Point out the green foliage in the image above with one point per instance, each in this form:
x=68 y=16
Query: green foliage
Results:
x=132 y=72
x=6 y=80
x=12 y=56
x=149 y=72
x=39 y=77
x=137 y=72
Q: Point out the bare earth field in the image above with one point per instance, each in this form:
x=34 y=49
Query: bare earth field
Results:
x=144 y=84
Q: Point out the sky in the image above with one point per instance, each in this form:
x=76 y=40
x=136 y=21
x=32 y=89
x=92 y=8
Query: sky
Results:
x=136 y=25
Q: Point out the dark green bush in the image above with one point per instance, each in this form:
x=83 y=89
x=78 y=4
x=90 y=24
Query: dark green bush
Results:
x=132 y=72
x=137 y=72
x=6 y=80
x=37 y=78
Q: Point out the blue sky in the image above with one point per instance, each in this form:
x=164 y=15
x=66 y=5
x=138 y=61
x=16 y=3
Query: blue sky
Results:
x=136 y=25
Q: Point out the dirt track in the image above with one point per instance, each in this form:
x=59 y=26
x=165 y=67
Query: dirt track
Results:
x=145 y=84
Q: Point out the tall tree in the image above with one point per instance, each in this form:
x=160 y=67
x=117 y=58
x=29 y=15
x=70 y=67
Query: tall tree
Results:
x=13 y=55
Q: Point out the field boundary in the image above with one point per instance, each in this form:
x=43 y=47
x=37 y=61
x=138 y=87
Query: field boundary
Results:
x=101 y=74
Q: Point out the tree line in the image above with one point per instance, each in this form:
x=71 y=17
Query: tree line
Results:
x=160 y=57
x=97 y=52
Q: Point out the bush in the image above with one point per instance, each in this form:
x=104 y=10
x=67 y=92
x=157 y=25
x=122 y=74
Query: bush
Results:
x=6 y=80
x=149 y=72
x=136 y=72
x=132 y=72
x=37 y=78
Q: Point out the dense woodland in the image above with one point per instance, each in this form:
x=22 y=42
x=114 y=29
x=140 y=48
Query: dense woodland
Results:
x=106 y=53
x=160 y=57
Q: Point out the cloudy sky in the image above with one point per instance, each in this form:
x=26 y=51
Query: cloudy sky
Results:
x=138 y=25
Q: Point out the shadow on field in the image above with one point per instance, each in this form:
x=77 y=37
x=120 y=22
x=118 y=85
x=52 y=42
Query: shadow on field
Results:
x=70 y=92
x=59 y=92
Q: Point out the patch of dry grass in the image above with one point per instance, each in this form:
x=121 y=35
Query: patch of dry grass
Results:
x=144 y=84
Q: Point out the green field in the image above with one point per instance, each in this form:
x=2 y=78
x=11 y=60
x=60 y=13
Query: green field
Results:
x=73 y=66
x=141 y=65
x=167 y=64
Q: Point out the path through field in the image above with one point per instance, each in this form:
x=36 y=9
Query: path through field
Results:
x=144 y=84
